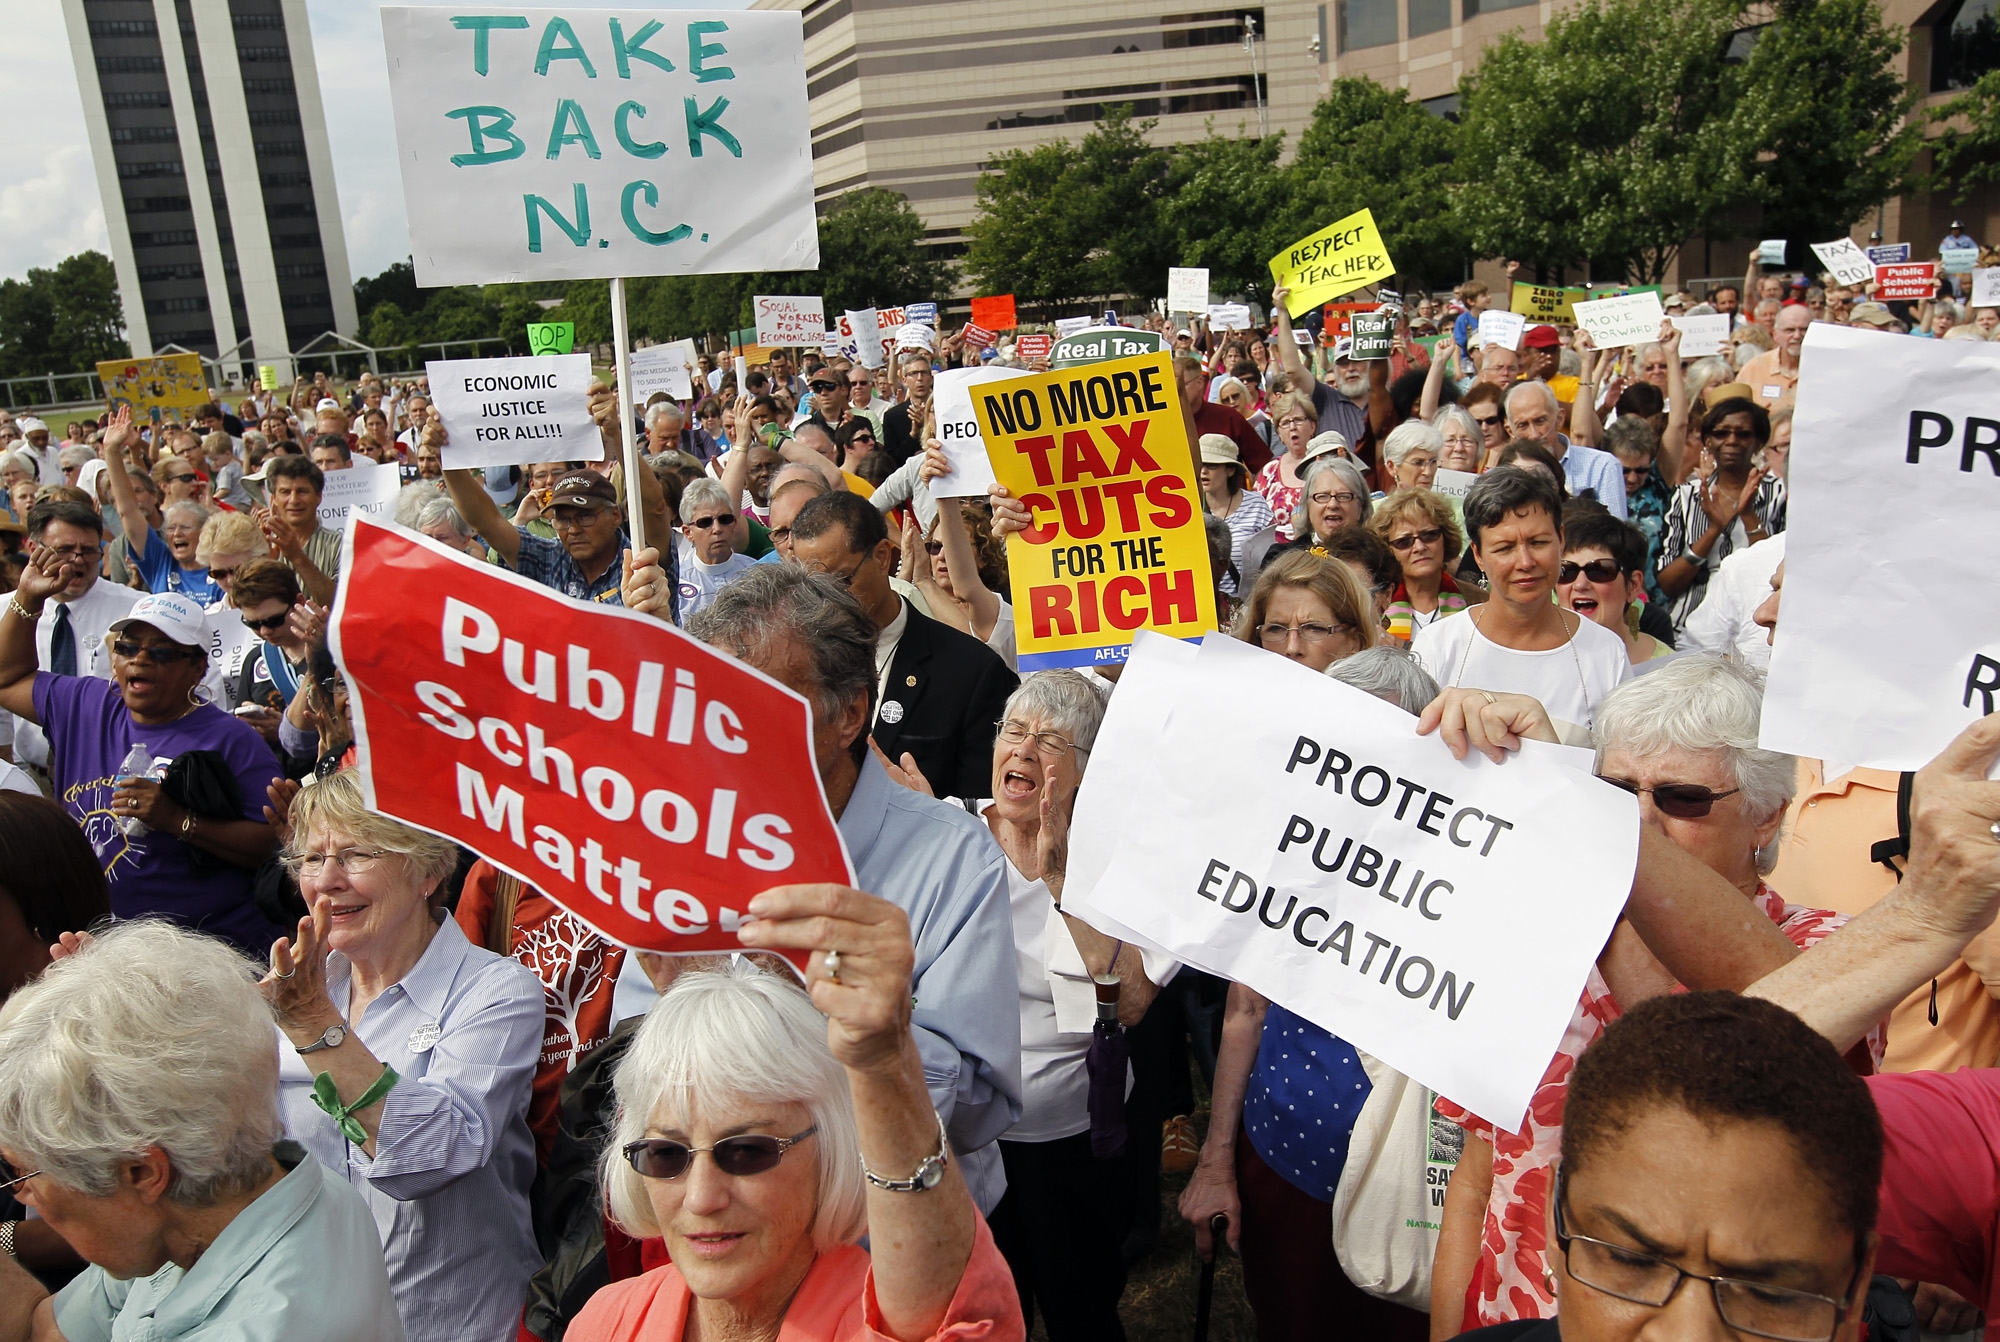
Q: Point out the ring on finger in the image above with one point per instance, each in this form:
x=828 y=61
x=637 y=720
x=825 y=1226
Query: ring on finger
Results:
x=830 y=965
x=1489 y=697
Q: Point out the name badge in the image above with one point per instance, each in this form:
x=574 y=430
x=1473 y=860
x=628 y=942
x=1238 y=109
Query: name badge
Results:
x=1773 y=391
x=425 y=1038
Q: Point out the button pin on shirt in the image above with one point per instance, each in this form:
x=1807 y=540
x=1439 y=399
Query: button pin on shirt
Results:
x=425 y=1038
x=892 y=711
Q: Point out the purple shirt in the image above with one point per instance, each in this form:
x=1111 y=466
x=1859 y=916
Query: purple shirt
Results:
x=89 y=733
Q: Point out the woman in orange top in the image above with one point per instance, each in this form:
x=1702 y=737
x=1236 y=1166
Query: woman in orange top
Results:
x=761 y=1139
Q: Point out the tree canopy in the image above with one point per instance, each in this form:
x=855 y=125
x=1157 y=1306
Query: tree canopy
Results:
x=61 y=319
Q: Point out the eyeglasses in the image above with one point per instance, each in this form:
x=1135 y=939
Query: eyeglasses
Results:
x=1597 y=570
x=1683 y=801
x=160 y=654
x=1753 y=1307
x=738 y=1157
x=704 y=523
x=573 y=519
x=1428 y=536
x=1013 y=733
x=1289 y=420
x=779 y=535
x=75 y=554
x=268 y=623
x=845 y=577
x=352 y=861
x=1344 y=499
x=1277 y=635
x=8 y=1178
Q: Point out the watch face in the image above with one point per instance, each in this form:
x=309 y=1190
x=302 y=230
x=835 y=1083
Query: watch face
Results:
x=931 y=1173
x=334 y=1037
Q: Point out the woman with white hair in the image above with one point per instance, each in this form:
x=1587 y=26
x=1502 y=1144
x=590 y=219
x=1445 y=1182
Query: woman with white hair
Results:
x=1412 y=450
x=441 y=521
x=1460 y=440
x=1684 y=740
x=138 y=1119
x=711 y=559
x=407 y=1061
x=1335 y=495
x=762 y=1132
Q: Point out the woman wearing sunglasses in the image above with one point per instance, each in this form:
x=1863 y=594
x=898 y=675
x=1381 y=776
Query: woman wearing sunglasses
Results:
x=1423 y=531
x=710 y=559
x=1603 y=579
x=1684 y=740
x=761 y=1132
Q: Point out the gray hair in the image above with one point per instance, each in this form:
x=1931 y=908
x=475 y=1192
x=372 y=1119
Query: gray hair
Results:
x=412 y=499
x=1224 y=383
x=21 y=460
x=703 y=491
x=1703 y=704
x=1410 y=436
x=784 y=603
x=665 y=410
x=1350 y=475
x=1533 y=384
x=75 y=456
x=1631 y=434
x=151 y=1036
x=1064 y=699
x=185 y=506
x=1390 y=674
x=1702 y=374
x=729 y=1037
x=1459 y=415
x=443 y=510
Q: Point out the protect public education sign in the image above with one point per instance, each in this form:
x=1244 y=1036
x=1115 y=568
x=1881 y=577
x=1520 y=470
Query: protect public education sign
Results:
x=541 y=144
x=509 y=412
x=1895 y=481
x=1273 y=826
x=1340 y=258
x=648 y=783
x=1099 y=456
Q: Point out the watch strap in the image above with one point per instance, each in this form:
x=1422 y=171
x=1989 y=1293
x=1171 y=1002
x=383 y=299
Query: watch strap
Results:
x=929 y=1173
x=326 y=1040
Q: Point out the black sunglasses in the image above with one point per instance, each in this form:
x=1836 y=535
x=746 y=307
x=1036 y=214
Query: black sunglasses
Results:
x=704 y=523
x=1597 y=570
x=160 y=654
x=187 y=479
x=268 y=622
x=1429 y=536
x=1486 y=422
x=753 y=1153
x=1683 y=801
x=822 y=386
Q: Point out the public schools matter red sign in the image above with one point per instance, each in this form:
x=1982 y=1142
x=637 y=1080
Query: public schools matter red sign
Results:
x=650 y=784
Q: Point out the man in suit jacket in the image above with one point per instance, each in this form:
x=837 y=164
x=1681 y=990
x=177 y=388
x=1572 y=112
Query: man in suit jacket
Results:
x=939 y=692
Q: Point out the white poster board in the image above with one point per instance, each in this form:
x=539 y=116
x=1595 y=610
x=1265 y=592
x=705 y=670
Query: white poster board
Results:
x=1228 y=316
x=1701 y=336
x=788 y=321
x=1986 y=287
x=509 y=412
x=1771 y=252
x=1187 y=289
x=1440 y=914
x=364 y=487
x=861 y=337
x=544 y=144
x=1069 y=326
x=662 y=368
x=1845 y=261
x=1629 y=319
x=958 y=430
x=1501 y=328
x=1894 y=480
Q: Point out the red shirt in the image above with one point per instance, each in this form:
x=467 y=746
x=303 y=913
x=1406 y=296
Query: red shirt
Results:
x=1214 y=417
x=1940 y=1218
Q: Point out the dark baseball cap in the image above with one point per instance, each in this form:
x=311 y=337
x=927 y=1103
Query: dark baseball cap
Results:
x=583 y=489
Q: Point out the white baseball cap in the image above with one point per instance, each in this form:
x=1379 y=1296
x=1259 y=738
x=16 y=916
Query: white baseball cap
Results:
x=326 y=403
x=30 y=425
x=172 y=614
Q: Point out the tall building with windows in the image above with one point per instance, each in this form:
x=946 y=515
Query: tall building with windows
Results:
x=915 y=96
x=211 y=152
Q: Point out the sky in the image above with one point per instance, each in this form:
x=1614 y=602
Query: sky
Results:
x=49 y=204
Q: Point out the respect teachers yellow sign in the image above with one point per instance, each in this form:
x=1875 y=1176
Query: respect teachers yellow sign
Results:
x=1338 y=259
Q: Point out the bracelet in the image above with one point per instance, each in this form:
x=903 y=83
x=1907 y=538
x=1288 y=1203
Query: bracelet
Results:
x=327 y=1096
x=187 y=824
x=929 y=1174
x=7 y=1229
x=14 y=604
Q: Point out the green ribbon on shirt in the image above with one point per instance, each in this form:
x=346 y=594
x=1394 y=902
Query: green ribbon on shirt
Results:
x=327 y=1096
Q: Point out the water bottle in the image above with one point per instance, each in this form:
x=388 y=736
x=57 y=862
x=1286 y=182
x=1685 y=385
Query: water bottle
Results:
x=138 y=763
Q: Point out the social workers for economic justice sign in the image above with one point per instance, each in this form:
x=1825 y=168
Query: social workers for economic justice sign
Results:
x=591 y=143
x=650 y=784
x=1894 y=483
x=1273 y=826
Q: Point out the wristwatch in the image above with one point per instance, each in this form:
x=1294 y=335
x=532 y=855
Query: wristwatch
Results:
x=929 y=1174
x=335 y=1036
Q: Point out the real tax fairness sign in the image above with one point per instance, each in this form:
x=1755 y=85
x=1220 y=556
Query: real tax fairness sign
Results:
x=509 y=412
x=1339 y=259
x=648 y=783
x=591 y=143
x=1099 y=456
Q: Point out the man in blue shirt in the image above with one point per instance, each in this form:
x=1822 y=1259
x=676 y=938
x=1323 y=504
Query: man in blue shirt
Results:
x=1534 y=413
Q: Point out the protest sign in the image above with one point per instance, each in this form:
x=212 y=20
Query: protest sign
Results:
x=1228 y=316
x=1701 y=336
x=662 y=368
x=888 y=319
x=1307 y=843
x=958 y=431
x=1503 y=329
x=1095 y=344
x=1340 y=258
x=1845 y=261
x=1187 y=289
x=861 y=337
x=1894 y=480
x=364 y=489
x=921 y=312
x=649 y=784
x=788 y=321
x=166 y=386
x=1890 y=254
x=1373 y=334
x=509 y=412
x=1986 y=287
x=995 y=313
x=1069 y=326
x=551 y=337
x=915 y=335
x=1099 y=456
x=1033 y=346
x=1631 y=319
x=977 y=336
x=1771 y=252
x=1542 y=303
x=1454 y=485
x=592 y=143
x=267 y=376
x=1337 y=320
x=1910 y=280
x=1958 y=260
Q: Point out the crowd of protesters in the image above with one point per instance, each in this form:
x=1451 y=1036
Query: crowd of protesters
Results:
x=273 y=1064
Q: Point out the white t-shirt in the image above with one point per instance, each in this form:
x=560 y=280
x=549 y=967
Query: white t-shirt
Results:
x=700 y=582
x=1570 y=680
x=1002 y=638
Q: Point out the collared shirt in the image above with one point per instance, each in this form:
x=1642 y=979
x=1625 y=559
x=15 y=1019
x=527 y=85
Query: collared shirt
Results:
x=1687 y=523
x=885 y=651
x=1595 y=471
x=448 y=1184
x=548 y=563
x=301 y=1261
x=90 y=617
x=1770 y=385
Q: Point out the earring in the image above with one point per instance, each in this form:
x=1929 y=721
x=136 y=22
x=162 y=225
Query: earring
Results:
x=200 y=696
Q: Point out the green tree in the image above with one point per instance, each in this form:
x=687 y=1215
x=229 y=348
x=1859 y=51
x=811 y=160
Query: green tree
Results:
x=1968 y=153
x=1609 y=143
x=871 y=254
x=387 y=326
x=62 y=319
x=1224 y=194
